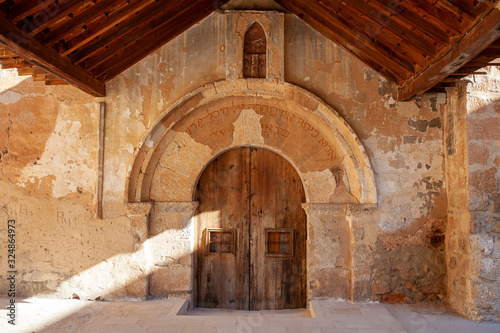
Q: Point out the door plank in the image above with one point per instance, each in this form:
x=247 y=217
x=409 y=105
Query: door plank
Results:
x=251 y=190
x=277 y=196
x=222 y=279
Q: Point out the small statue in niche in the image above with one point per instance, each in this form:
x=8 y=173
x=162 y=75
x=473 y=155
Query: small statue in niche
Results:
x=254 y=52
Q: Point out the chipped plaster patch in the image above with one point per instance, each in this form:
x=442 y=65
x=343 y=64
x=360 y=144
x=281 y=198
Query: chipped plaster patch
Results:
x=185 y=156
x=320 y=185
x=10 y=97
x=66 y=160
x=247 y=129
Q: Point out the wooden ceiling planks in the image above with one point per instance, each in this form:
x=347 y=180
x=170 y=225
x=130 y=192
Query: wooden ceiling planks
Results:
x=155 y=39
x=95 y=40
x=437 y=27
x=38 y=54
x=477 y=39
x=102 y=26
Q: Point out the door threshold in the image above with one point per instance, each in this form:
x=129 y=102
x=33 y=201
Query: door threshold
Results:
x=214 y=312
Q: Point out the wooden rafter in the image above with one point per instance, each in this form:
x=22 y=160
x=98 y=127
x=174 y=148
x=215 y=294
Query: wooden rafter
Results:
x=26 y=8
x=383 y=21
x=339 y=32
x=79 y=21
x=392 y=43
x=102 y=26
x=147 y=18
x=438 y=16
x=417 y=22
x=38 y=54
x=413 y=43
x=165 y=32
x=41 y=21
x=478 y=38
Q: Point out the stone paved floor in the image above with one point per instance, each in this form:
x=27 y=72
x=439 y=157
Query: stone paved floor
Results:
x=65 y=316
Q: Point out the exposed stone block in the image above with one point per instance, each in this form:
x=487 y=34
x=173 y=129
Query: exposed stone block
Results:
x=484 y=180
x=174 y=278
x=177 y=225
x=490 y=269
x=394 y=298
x=483 y=128
x=138 y=288
x=478 y=200
x=330 y=282
x=483 y=242
x=380 y=287
x=485 y=294
x=478 y=154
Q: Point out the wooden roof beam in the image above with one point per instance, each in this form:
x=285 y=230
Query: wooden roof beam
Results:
x=383 y=20
x=65 y=9
x=152 y=26
x=36 y=53
x=478 y=38
x=414 y=20
x=434 y=14
x=14 y=63
x=77 y=22
x=128 y=27
x=467 y=8
x=388 y=42
x=26 y=8
x=100 y=27
x=371 y=57
x=157 y=38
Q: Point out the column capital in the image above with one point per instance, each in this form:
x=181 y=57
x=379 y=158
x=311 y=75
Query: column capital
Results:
x=175 y=207
x=138 y=208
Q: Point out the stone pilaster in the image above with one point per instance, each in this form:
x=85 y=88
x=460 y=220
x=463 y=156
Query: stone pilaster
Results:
x=362 y=258
x=328 y=250
x=171 y=247
x=138 y=213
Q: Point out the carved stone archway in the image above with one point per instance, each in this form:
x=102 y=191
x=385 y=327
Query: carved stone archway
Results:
x=281 y=117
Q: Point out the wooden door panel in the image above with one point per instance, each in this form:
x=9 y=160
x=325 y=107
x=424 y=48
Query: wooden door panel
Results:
x=222 y=279
x=276 y=281
x=257 y=193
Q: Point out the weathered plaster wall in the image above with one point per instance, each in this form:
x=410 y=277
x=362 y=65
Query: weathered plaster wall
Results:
x=48 y=174
x=399 y=247
x=396 y=249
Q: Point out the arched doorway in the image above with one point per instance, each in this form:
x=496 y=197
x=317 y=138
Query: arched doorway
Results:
x=251 y=233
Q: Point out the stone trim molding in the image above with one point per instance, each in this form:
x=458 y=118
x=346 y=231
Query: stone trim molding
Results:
x=360 y=209
x=173 y=207
x=338 y=209
x=324 y=124
x=324 y=209
x=134 y=209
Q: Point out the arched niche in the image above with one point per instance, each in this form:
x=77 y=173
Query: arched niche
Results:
x=281 y=117
x=254 y=52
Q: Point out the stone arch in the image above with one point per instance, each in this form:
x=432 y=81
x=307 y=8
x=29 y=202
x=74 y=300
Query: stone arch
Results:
x=284 y=118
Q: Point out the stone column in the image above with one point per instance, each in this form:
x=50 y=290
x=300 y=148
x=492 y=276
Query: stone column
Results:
x=362 y=257
x=171 y=244
x=138 y=213
x=328 y=251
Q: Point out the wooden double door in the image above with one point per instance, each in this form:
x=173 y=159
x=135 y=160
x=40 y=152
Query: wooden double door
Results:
x=251 y=233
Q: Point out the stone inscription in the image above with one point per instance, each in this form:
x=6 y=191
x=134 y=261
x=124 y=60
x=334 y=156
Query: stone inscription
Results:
x=267 y=128
x=273 y=129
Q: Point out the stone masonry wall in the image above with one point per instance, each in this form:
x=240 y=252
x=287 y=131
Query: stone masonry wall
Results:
x=483 y=134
